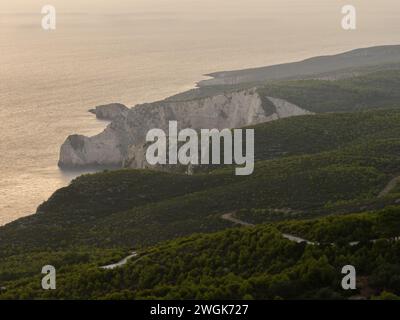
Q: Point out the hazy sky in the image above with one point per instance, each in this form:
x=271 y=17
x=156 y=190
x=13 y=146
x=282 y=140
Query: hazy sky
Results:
x=373 y=15
x=255 y=7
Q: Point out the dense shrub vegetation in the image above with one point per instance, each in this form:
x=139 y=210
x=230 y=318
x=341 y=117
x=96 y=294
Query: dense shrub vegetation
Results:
x=318 y=177
x=244 y=263
x=371 y=91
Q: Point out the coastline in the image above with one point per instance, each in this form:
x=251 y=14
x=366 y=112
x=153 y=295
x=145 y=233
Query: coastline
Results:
x=75 y=172
x=197 y=88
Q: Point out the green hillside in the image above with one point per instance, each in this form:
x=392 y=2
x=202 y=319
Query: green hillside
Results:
x=134 y=207
x=307 y=167
x=376 y=90
x=244 y=263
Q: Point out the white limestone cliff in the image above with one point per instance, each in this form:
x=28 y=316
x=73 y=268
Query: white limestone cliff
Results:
x=122 y=143
x=285 y=109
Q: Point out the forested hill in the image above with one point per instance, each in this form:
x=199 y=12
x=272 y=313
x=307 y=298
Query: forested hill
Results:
x=245 y=263
x=341 y=65
x=305 y=163
x=307 y=167
x=344 y=166
x=376 y=90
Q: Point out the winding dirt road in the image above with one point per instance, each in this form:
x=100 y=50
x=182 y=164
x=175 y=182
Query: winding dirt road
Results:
x=389 y=187
x=120 y=263
x=230 y=217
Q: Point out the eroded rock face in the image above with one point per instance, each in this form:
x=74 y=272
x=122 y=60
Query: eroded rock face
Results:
x=123 y=141
x=110 y=111
x=101 y=150
x=285 y=109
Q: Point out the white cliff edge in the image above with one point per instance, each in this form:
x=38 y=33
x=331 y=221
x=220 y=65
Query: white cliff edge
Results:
x=122 y=143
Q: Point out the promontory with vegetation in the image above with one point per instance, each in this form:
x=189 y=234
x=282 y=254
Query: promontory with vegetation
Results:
x=324 y=194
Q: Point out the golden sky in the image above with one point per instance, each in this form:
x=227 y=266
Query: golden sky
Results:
x=255 y=7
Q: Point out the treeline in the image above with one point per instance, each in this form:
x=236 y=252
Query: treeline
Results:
x=377 y=90
x=133 y=208
x=338 y=164
x=244 y=263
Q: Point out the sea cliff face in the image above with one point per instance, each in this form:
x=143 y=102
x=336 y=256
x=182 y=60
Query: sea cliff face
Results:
x=122 y=143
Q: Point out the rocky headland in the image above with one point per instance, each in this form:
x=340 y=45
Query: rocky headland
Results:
x=229 y=100
x=122 y=143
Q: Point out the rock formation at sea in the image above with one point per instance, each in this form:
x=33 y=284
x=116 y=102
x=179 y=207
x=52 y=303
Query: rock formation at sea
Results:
x=122 y=143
